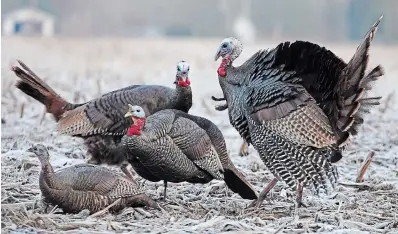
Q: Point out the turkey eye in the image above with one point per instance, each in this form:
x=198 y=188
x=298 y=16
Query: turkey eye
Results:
x=178 y=69
x=224 y=45
x=138 y=110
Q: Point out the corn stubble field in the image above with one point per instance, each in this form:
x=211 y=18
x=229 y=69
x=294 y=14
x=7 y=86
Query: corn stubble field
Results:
x=82 y=69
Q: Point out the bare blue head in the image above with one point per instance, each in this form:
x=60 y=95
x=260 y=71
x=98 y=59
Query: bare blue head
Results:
x=229 y=48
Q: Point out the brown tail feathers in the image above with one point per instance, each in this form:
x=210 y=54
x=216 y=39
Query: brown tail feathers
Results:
x=238 y=184
x=354 y=85
x=36 y=88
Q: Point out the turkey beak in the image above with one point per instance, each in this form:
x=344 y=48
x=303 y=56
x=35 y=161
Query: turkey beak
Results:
x=218 y=54
x=128 y=114
x=129 y=111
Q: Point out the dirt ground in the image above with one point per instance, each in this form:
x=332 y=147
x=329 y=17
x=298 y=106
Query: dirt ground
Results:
x=83 y=69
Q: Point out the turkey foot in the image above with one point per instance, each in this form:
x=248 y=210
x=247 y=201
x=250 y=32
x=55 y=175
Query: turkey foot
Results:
x=218 y=99
x=244 y=149
x=364 y=167
x=257 y=203
x=298 y=202
x=221 y=107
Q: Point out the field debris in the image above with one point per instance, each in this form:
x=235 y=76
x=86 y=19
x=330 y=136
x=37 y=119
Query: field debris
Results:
x=361 y=203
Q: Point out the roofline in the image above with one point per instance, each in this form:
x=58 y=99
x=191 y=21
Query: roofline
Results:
x=43 y=12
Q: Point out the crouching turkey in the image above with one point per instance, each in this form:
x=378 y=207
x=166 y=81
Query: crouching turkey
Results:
x=86 y=186
x=174 y=146
x=100 y=122
x=298 y=104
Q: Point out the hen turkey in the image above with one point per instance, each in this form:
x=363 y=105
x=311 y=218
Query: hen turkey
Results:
x=174 y=146
x=86 y=186
x=100 y=122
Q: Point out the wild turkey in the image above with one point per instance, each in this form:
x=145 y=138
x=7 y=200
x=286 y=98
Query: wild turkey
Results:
x=100 y=122
x=174 y=146
x=86 y=186
x=298 y=104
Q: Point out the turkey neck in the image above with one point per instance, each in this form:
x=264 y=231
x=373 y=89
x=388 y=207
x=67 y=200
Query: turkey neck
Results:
x=47 y=173
x=183 y=98
x=230 y=84
x=136 y=127
x=235 y=79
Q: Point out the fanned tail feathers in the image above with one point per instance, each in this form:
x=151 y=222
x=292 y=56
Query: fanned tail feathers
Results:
x=353 y=87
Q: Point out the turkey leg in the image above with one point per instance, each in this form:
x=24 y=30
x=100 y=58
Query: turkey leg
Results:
x=263 y=194
x=364 y=167
x=299 y=197
x=244 y=149
x=165 y=189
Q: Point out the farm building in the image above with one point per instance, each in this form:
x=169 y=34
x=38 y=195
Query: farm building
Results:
x=28 y=22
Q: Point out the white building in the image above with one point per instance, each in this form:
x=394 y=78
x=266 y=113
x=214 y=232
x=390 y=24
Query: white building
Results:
x=28 y=21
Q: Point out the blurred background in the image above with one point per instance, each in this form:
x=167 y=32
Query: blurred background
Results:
x=332 y=20
x=95 y=46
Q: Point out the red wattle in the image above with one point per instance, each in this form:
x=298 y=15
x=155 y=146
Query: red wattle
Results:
x=134 y=130
x=221 y=71
x=183 y=83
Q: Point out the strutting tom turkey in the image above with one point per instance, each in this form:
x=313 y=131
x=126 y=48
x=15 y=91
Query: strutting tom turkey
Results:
x=100 y=122
x=298 y=104
x=174 y=146
x=86 y=186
